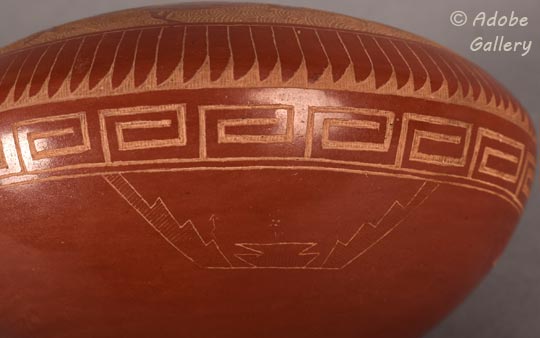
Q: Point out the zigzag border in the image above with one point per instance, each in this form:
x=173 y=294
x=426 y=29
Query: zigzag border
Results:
x=184 y=56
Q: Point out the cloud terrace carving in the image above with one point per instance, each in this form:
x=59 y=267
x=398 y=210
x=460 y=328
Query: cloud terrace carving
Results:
x=186 y=239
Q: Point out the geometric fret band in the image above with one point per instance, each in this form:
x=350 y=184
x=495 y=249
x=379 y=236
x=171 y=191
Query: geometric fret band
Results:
x=185 y=136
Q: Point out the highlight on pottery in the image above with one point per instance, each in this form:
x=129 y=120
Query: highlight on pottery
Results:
x=247 y=170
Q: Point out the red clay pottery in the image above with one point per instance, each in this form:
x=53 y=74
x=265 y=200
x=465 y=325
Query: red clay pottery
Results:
x=242 y=170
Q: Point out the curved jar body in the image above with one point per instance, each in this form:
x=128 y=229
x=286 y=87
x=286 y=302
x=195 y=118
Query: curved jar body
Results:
x=248 y=170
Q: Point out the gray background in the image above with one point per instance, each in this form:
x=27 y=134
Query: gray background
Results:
x=507 y=303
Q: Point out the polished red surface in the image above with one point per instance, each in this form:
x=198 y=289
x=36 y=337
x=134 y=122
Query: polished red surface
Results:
x=166 y=174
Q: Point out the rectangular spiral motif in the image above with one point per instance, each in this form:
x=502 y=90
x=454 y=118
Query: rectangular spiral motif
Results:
x=348 y=139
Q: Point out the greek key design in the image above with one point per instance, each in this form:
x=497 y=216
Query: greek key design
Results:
x=461 y=139
x=168 y=120
x=38 y=145
x=248 y=127
x=377 y=124
x=253 y=137
x=527 y=176
x=512 y=154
